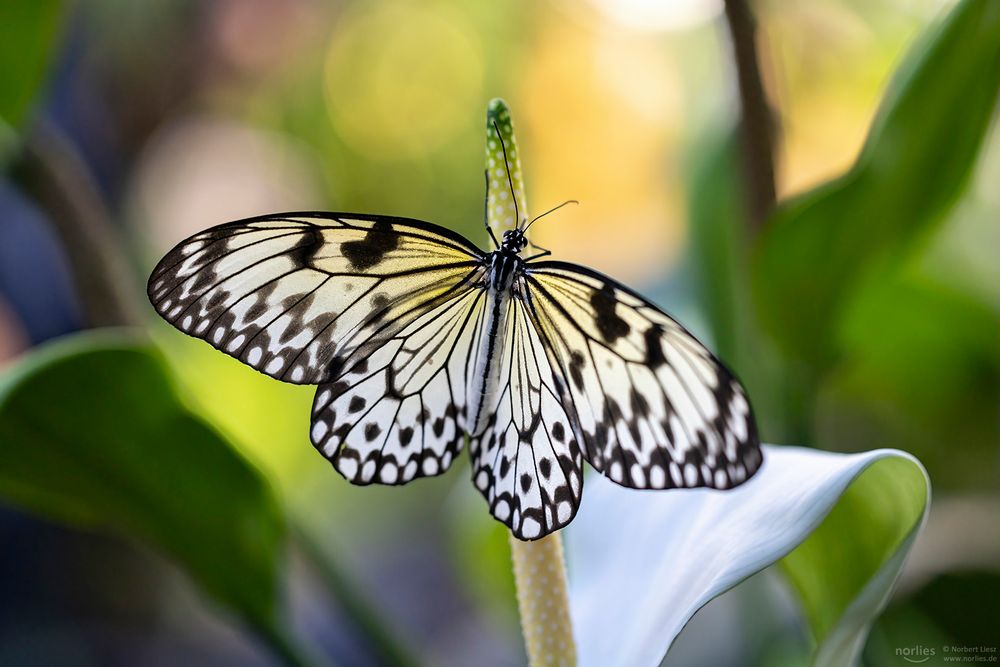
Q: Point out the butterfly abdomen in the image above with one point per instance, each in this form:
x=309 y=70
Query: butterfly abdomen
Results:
x=486 y=378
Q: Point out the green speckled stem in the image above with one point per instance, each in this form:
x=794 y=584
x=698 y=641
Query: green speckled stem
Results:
x=543 y=601
x=500 y=203
x=539 y=570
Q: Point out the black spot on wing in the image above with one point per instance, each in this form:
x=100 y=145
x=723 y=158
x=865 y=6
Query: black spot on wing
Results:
x=653 y=339
x=380 y=306
x=576 y=368
x=504 y=466
x=609 y=323
x=372 y=249
x=525 y=482
x=307 y=246
x=639 y=404
x=335 y=368
x=558 y=432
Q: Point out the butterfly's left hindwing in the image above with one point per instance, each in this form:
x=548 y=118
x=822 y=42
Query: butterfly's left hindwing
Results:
x=397 y=411
x=654 y=408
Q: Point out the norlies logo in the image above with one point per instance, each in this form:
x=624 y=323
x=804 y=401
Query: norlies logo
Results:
x=915 y=654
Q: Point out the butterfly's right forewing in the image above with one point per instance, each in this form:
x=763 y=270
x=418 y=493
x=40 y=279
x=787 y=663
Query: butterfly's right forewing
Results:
x=654 y=407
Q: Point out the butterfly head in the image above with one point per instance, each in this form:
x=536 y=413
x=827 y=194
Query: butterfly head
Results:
x=514 y=240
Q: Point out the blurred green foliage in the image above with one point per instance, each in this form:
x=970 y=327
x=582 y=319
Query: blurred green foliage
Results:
x=844 y=337
x=962 y=606
x=28 y=30
x=921 y=358
x=92 y=433
x=719 y=243
x=823 y=248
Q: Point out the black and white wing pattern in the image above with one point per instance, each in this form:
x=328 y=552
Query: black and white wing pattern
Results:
x=371 y=308
x=397 y=411
x=420 y=341
x=653 y=407
x=287 y=293
x=527 y=461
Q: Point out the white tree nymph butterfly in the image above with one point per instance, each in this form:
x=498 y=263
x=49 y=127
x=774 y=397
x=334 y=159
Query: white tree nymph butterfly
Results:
x=420 y=342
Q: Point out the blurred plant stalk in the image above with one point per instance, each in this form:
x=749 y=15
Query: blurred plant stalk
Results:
x=757 y=120
x=51 y=172
x=539 y=566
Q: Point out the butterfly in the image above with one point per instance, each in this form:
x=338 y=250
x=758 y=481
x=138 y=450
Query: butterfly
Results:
x=421 y=342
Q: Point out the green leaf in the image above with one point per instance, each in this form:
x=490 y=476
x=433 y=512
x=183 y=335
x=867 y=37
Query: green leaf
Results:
x=920 y=365
x=27 y=33
x=718 y=238
x=961 y=607
x=92 y=434
x=819 y=248
x=719 y=259
x=843 y=583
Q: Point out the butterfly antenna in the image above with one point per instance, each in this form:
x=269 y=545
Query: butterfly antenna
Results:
x=510 y=181
x=551 y=210
x=486 y=210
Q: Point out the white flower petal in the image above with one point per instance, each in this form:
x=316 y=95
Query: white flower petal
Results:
x=642 y=563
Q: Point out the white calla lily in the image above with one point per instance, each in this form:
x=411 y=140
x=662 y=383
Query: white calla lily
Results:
x=642 y=563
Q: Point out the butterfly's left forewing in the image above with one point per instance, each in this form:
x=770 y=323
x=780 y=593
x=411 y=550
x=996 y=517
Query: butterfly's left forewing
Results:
x=286 y=294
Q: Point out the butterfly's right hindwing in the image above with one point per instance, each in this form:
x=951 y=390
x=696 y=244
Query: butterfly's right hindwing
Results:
x=289 y=294
x=527 y=461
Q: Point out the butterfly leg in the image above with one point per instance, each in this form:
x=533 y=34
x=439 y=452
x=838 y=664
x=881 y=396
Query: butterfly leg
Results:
x=545 y=252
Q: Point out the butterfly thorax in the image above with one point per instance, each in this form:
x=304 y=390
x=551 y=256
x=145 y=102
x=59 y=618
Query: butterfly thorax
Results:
x=504 y=266
x=505 y=263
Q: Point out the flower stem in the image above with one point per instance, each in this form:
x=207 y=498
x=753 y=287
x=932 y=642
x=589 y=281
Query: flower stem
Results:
x=543 y=601
x=539 y=570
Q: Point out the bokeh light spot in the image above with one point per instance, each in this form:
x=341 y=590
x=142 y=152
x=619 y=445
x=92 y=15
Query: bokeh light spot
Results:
x=400 y=79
